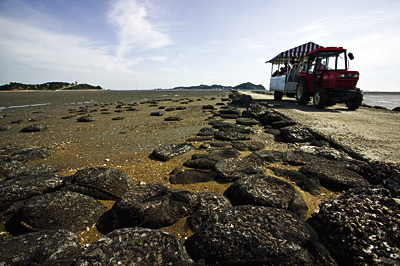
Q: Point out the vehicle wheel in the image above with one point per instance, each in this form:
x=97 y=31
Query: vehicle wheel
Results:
x=278 y=95
x=320 y=98
x=302 y=94
x=355 y=103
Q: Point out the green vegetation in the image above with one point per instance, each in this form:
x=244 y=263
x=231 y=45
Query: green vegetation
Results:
x=14 y=86
x=243 y=86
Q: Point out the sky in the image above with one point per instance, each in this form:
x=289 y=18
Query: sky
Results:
x=147 y=44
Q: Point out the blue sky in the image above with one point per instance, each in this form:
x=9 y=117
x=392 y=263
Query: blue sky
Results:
x=129 y=44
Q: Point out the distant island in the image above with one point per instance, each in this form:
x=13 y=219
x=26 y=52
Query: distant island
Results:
x=49 y=86
x=243 y=86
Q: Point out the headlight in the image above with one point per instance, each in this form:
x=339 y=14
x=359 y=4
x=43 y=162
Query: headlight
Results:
x=341 y=75
x=356 y=75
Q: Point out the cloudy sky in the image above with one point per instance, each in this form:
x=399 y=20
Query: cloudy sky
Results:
x=129 y=44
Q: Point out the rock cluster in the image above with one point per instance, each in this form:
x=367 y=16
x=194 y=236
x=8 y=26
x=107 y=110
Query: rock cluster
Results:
x=259 y=220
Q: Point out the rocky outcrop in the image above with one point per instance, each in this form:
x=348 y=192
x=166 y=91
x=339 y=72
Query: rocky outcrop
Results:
x=164 y=153
x=151 y=206
x=252 y=235
x=135 y=246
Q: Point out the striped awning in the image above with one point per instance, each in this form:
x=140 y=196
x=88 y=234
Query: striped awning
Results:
x=296 y=52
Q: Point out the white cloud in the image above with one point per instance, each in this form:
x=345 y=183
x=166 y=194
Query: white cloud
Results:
x=158 y=58
x=134 y=29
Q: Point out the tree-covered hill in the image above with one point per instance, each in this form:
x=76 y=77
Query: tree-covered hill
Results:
x=14 y=86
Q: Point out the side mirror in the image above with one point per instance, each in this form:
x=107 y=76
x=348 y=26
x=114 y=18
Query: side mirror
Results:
x=351 y=56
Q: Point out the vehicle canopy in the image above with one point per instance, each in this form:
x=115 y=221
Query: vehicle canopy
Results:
x=296 y=54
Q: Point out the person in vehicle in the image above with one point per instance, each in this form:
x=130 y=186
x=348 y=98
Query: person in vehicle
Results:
x=320 y=65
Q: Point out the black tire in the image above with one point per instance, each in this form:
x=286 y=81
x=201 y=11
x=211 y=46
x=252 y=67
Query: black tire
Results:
x=320 y=98
x=302 y=93
x=278 y=95
x=355 y=103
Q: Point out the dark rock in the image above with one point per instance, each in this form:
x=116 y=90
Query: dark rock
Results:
x=56 y=210
x=324 y=152
x=34 y=128
x=226 y=153
x=100 y=183
x=203 y=161
x=360 y=227
x=151 y=206
x=206 y=131
x=282 y=124
x=396 y=109
x=309 y=184
x=5 y=127
x=296 y=134
x=255 y=235
x=247 y=121
x=169 y=109
x=208 y=107
x=48 y=247
x=132 y=109
x=269 y=191
x=219 y=144
x=68 y=116
x=6 y=150
x=234 y=168
x=256 y=110
x=25 y=187
x=19 y=121
x=39 y=118
x=240 y=99
x=272 y=131
x=118 y=118
x=162 y=107
x=301 y=158
x=86 y=118
x=31 y=154
x=35 y=170
x=135 y=246
x=248 y=145
x=166 y=152
x=260 y=158
x=192 y=177
x=334 y=177
x=7 y=167
x=208 y=203
x=229 y=116
x=232 y=135
x=173 y=118
x=226 y=126
x=181 y=108
x=159 y=113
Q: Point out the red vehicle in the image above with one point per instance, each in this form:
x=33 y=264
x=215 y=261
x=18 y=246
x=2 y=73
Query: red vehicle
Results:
x=326 y=77
x=318 y=72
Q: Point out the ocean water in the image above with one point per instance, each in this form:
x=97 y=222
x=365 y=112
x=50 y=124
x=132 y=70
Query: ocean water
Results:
x=389 y=100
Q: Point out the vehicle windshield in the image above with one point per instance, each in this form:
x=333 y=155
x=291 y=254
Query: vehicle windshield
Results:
x=328 y=61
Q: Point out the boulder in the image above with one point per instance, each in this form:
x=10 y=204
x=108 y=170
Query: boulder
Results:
x=256 y=235
x=203 y=161
x=151 y=206
x=100 y=183
x=159 y=113
x=309 y=184
x=269 y=191
x=208 y=203
x=25 y=187
x=34 y=128
x=327 y=153
x=226 y=153
x=301 y=158
x=173 y=118
x=234 y=168
x=260 y=158
x=296 y=134
x=208 y=107
x=360 y=227
x=31 y=154
x=47 y=247
x=5 y=127
x=118 y=118
x=56 y=210
x=7 y=167
x=229 y=127
x=231 y=135
x=135 y=246
x=334 y=177
x=270 y=116
x=166 y=152
x=248 y=145
x=206 y=131
x=86 y=118
x=247 y=121
x=192 y=177
x=35 y=170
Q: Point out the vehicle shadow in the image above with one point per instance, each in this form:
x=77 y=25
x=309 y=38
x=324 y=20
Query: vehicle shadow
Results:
x=290 y=103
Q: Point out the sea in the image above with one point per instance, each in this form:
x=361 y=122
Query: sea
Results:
x=49 y=99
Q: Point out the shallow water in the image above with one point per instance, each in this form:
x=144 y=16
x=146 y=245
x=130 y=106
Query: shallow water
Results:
x=390 y=100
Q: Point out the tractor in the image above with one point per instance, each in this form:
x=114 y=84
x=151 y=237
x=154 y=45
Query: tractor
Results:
x=318 y=72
